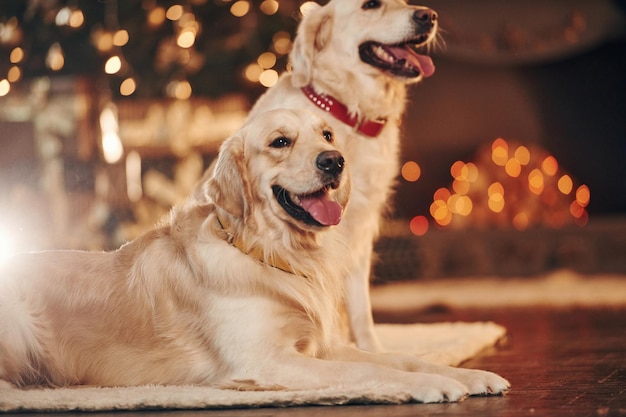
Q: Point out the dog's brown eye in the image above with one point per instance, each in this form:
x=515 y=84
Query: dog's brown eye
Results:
x=328 y=136
x=371 y=4
x=281 y=142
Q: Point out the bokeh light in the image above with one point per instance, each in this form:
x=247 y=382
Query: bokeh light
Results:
x=583 y=195
x=411 y=171
x=240 y=8
x=419 y=225
x=128 y=87
x=565 y=184
x=500 y=152
x=505 y=188
x=269 y=7
x=550 y=166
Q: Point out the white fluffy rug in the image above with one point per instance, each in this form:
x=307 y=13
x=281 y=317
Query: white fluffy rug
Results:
x=446 y=343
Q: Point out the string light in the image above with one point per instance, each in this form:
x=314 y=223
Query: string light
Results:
x=537 y=192
x=267 y=60
x=268 y=78
x=17 y=55
x=269 y=7
x=186 y=38
x=14 y=74
x=113 y=65
x=120 y=38
x=253 y=72
x=5 y=87
x=128 y=86
x=500 y=152
x=565 y=184
x=419 y=225
x=240 y=8
x=522 y=155
x=55 y=59
x=175 y=12
x=583 y=195
x=156 y=17
x=411 y=171
x=281 y=42
x=112 y=147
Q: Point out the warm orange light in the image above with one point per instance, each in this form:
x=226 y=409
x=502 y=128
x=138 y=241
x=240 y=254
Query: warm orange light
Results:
x=499 y=152
x=513 y=168
x=411 y=171
x=120 y=38
x=175 y=12
x=456 y=170
x=460 y=204
x=496 y=197
x=281 y=42
x=253 y=72
x=535 y=181
x=565 y=184
x=471 y=172
x=461 y=186
x=439 y=211
x=522 y=154
x=576 y=209
x=496 y=204
x=156 y=17
x=267 y=60
x=442 y=194
x=520 y=221
x=240 y=8
x=495 y=189
x=583 y=195
x=128 y=87
x=550 y=166
x=269 y=7
x=419 y=225
x=268 y=78
x=17 y=55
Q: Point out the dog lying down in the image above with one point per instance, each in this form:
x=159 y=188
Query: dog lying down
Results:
x=241 y=292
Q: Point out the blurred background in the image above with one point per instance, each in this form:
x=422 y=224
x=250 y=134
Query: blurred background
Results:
x=513 y=152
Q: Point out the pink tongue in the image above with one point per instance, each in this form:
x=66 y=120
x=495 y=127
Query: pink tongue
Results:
x=423 y=62
x=324 y=210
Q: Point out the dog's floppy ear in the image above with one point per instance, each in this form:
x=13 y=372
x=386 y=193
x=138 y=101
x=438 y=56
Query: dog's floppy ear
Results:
x=313 y=35
x=228 y=188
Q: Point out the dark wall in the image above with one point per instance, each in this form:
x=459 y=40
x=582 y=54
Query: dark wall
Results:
x=574 y=107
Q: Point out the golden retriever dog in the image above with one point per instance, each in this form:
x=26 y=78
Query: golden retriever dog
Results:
x=238 y=291
x=351 y=62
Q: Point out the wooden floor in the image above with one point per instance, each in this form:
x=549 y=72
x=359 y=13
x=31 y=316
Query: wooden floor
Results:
x=560 y=363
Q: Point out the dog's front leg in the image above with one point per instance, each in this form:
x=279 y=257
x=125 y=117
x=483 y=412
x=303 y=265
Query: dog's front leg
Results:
x=300 y=372
x=359 y=304
x=478 y=382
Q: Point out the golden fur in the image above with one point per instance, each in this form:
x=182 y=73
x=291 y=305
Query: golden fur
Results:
x=201 y=299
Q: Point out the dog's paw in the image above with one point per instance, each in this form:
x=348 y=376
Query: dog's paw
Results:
x=430 y=388
x=482 y=382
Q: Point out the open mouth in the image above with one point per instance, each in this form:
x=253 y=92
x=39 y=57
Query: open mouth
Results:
x=400 y=60
x=313 y=209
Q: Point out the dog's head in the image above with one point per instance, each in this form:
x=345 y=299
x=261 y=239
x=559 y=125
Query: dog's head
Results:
x=282 y=168
x=380 y=36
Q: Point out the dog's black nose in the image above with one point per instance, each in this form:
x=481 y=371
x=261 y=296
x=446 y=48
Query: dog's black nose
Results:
x=331 y=162
x=425 y=16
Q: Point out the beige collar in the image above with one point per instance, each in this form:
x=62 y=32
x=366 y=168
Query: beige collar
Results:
x=255 y=252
